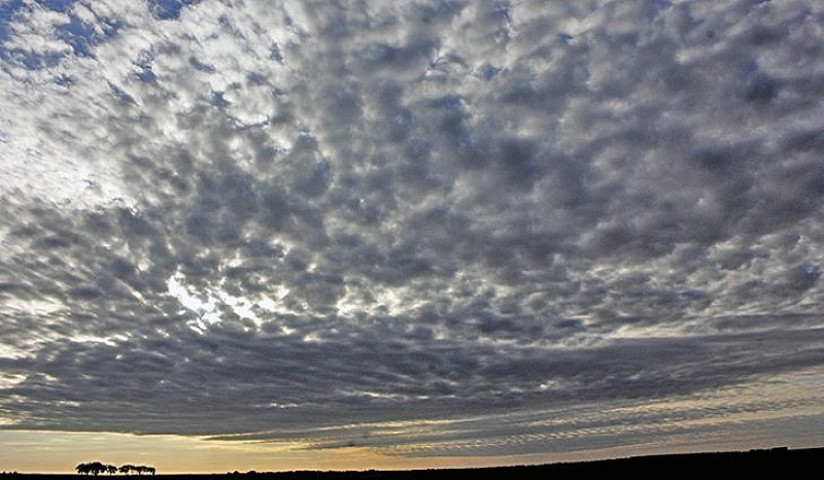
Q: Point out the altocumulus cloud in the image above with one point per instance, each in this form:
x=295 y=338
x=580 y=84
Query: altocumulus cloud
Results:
x=434 y=227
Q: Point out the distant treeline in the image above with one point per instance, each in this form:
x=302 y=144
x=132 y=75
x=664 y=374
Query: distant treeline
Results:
x=96 y=468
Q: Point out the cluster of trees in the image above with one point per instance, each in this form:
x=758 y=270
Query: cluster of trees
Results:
x=139 y=469
x=96 y=468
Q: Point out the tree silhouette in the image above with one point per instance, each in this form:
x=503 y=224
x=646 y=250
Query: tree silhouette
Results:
x=95 y=468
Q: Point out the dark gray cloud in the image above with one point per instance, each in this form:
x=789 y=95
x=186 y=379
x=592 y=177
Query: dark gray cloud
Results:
x=276 y=221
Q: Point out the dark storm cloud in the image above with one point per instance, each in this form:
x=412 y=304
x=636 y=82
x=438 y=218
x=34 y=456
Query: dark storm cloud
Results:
x=453 y=209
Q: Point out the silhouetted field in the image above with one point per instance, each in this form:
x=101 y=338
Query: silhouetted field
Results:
x=737 y=463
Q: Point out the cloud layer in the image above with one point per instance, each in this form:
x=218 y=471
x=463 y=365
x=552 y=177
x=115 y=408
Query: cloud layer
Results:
x=278 y=219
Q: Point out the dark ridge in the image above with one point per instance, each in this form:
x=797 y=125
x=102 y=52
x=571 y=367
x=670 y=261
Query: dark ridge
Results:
x=741 y=463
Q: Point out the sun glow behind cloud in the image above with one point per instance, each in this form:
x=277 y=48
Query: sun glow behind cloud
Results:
x=745 y=416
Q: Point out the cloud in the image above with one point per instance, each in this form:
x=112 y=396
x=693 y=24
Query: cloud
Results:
x=232 y=219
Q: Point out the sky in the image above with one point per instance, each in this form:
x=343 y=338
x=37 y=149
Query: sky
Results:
x=287 y=234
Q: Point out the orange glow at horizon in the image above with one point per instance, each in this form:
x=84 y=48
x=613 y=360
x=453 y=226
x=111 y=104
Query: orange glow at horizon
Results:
x=730 y=419
x=59 y=452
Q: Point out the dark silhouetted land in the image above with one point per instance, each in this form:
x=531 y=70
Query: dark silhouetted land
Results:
x=736 y=463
